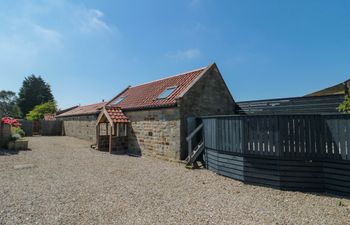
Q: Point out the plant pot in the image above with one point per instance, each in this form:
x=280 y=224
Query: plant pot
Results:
x=18 y=145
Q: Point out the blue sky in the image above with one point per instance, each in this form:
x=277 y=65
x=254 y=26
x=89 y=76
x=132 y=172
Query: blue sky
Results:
x=90 y=50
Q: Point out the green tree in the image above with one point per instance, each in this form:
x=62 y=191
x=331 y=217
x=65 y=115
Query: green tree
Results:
x=8 y=105
x=345 y=106
x=34 y=91
x=40 y=110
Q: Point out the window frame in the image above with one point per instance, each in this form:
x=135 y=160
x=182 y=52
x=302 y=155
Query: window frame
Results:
x=120 y=99
x=173 y=88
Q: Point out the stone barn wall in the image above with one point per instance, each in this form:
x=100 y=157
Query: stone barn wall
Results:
x=83 y=127
x=155 y=132
x=209 y=96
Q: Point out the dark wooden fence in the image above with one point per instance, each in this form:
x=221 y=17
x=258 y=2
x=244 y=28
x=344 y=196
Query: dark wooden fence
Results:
x=291 y=152
x=51 y=127
x=27 y=127
x=5 y=134
x=42 y=127
x=298 y=105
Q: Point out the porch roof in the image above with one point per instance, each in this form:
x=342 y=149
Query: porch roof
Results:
x=116 y=115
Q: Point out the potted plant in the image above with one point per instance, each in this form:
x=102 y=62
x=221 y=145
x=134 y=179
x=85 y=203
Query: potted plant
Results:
x=17 y=141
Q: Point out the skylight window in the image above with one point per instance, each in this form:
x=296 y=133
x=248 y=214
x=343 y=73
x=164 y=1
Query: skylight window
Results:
x=166 y=93
x=118 y=100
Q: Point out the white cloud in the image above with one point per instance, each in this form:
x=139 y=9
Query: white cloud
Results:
x=188 y=54
x=91 y=20
x=33 y=30
x=49 y=35
x=22 y=41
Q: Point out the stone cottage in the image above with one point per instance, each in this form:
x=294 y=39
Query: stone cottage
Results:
x=80 y=121
x=160 y=113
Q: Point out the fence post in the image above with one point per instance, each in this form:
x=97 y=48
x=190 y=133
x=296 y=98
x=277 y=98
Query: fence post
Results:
x=321 y=136
x=278 y=138
x=244 y=136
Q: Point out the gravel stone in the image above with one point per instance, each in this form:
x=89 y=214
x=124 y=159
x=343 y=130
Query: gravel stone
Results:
x=73 y=184
x=23 y=166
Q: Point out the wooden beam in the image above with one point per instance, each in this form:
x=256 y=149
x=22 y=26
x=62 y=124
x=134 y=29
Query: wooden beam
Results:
x=110 y=139
x=97 y=135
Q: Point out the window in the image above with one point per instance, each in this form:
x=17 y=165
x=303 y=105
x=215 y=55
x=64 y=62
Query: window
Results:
x=118 y=100
x=166 y=93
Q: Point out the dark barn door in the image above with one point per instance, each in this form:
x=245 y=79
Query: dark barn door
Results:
x=36 y=127
x=192 y=123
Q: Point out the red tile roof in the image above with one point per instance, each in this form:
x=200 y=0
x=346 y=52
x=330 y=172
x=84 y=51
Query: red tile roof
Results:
x=145 y=95
x=117 y=115
x=49 y=117
x=84 y=110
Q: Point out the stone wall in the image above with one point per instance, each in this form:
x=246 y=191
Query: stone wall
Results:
x=5 y=134
x=209 y=96
x=155 y=132
x=83 y=127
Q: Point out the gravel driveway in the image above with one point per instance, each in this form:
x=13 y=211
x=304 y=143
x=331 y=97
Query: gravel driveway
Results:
x=63 y=181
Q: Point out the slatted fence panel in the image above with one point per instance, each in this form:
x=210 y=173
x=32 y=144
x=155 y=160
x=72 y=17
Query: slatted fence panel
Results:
x=51 y=128
x=290 y=152
x=27 y=127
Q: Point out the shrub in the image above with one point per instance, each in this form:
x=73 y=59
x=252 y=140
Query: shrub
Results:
x=17 y=130
x=345 y=106
x=15 y=137
x=40 y=110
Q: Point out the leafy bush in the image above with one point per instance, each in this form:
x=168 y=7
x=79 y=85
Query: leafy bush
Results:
x=15 y=137
x=17 y=130
x=16 y=133
x=345 y=106
x=40 y=110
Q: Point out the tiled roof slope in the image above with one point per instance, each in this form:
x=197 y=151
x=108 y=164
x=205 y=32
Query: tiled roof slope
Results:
x=333 y=90
x=145 y=95
x=116 y=115
x=84 y=110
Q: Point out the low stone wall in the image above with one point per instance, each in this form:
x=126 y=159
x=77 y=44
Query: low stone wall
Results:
x=83 y=127
x=5 y=134
x=155 y=132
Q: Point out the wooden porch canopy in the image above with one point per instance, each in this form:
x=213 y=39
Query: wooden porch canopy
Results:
x=115 y=127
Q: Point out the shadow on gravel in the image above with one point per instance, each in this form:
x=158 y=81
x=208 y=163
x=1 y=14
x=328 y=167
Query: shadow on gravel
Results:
x=6 y=152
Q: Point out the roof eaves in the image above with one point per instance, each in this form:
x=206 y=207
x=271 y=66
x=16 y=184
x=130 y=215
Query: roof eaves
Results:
x=169 y=77
x=66 y=110
x=170 y=105
x=122 y=92
x=79 y=114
